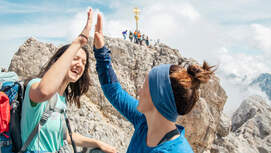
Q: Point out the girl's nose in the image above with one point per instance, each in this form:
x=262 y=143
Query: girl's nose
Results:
x=79 y=63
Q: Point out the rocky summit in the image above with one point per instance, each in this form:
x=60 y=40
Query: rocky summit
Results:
x=98 y=119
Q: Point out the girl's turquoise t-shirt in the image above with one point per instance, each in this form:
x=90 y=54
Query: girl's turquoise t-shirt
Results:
x=50 y=137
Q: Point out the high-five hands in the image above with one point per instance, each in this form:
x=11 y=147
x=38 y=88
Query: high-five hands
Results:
x=98 y=35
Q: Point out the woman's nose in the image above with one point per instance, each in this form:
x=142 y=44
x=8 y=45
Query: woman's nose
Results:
x=79 y=63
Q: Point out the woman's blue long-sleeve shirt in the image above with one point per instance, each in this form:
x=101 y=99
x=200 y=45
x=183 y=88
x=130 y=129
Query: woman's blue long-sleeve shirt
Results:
x=127 y=106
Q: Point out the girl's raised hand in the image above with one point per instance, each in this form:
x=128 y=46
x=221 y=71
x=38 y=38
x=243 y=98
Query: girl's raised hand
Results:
x=98 y=35
x=85 y=33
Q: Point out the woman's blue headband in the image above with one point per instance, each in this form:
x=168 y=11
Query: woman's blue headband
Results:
x=161 y=92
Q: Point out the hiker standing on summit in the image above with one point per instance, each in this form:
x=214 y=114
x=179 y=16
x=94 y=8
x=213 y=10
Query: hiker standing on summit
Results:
x=131 y=36
x=168 y=91
x=124 y=33
x=66 y=79
x=147 y=41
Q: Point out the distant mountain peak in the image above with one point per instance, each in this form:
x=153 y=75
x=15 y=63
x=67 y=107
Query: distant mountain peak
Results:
x=264 y=82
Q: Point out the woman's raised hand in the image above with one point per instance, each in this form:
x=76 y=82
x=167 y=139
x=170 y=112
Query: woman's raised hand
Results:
x=85 y=33
x=98 y=35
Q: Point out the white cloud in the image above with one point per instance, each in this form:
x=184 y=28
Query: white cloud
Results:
x=236 y=72
x=55 y=30
x=77 y=23
x=13 y=36
x=189 y=11
x=242 y=65
x=24 y=8
x=237 y=92
x=179 y=24
x=263 y=37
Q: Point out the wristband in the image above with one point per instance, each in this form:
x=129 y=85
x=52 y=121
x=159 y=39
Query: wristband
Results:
x=84 y=36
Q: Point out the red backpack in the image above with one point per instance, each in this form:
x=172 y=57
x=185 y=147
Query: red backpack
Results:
x=4 y=113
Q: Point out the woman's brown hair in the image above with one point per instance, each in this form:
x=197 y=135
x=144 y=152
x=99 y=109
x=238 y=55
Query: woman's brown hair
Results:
x=75 y=90
x=185 y=83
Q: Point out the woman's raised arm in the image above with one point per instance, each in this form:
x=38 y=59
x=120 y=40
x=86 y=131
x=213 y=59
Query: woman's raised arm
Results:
x=52 y=79
x=120 y=99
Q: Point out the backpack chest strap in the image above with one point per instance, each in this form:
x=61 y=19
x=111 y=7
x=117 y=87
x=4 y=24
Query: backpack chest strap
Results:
x=5 y=143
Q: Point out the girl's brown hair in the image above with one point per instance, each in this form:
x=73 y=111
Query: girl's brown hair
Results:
x=185 y=84
x=75 y=90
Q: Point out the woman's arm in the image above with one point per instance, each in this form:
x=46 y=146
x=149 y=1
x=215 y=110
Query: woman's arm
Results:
x=120 y=99
x=53 y=78
x=82 y=141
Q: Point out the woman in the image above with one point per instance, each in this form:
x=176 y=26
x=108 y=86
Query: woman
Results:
x=131 y=36
x=147 y=41
x=168 y=91
x=66 y=77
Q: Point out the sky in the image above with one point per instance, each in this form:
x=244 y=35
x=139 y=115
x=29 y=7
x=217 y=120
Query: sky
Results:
x=234 y=35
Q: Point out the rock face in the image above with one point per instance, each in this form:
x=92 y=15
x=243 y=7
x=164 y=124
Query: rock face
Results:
x=99 y=119
x=250 y=129
x=224 y=126
x=201 y=123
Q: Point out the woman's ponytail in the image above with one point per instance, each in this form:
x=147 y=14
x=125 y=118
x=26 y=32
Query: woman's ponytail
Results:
x=186 y=82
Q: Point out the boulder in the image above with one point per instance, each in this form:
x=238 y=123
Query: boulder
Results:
x=251 y=129
x=224 y=126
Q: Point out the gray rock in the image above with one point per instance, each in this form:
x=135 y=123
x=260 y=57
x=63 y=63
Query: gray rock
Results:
x=224 y=126
x=251 y=129
x=247 y=110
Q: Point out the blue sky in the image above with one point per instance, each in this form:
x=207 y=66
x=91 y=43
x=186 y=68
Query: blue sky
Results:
x=236 y=35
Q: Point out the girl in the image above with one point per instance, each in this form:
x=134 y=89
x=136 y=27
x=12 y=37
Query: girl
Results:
x=66 y=78
x=168 y=91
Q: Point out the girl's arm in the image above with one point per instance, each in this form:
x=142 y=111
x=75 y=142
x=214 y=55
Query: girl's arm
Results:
x=83 y=141
x=53 y=78
x=120 y=99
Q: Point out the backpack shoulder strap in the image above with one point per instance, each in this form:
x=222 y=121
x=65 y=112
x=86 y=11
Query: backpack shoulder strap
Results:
x=70 y=132
x=46 y=114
